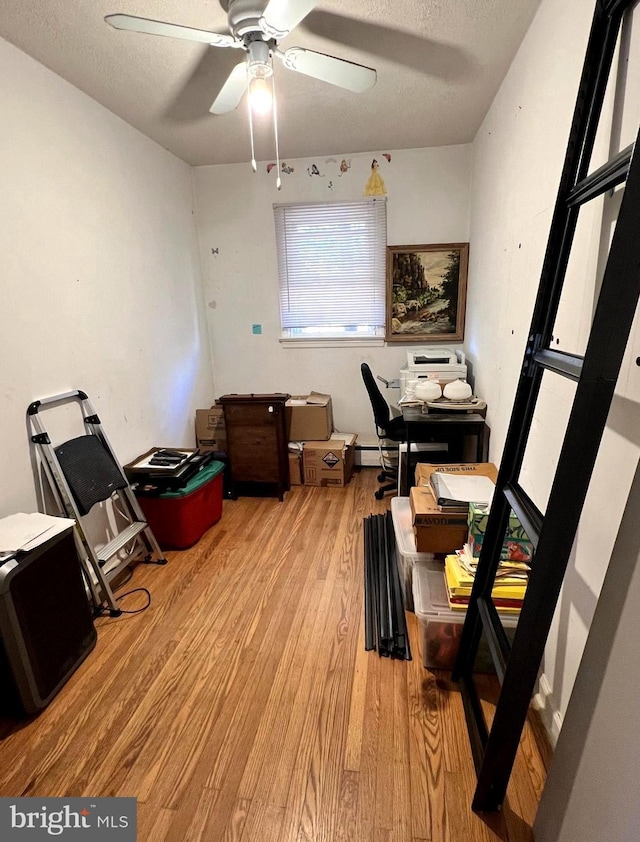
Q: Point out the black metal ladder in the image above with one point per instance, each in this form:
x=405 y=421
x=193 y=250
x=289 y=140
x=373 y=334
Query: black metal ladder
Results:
x=552 y=533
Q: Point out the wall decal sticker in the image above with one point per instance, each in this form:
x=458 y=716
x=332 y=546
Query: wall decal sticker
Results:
x=286 y=169
x=270 y=167
x=345 y=166
x=387 y=156
x=375 y=184
x=313 y=170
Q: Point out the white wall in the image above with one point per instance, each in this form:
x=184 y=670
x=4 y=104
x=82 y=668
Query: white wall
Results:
x=592 y=787
x=517 y=160
x=428 y=202
x=99 y=275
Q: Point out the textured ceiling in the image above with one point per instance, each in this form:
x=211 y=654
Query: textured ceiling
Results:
x=439 y=64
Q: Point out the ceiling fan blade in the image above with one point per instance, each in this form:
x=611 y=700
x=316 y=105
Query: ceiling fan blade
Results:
x=172 y=30
x=232 y=91
x=336 y=71
x=280 y=16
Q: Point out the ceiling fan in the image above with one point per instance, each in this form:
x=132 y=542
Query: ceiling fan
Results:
x=257 y=31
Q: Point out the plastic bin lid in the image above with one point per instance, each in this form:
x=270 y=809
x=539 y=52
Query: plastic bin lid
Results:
x=201 y=478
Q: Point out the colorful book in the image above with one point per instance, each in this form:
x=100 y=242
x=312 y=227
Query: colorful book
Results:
x=512 y=585
x=505 y=606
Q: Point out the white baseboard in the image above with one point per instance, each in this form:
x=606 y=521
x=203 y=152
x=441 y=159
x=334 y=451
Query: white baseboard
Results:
x=367 y=452
x=546 y=706
x=368 y=457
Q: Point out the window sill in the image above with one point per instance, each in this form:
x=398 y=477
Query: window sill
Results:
x=333 y=342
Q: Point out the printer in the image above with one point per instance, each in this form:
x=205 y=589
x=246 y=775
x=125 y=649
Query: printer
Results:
x=433 y=363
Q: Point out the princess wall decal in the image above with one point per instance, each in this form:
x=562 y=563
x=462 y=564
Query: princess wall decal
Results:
x=375 y=184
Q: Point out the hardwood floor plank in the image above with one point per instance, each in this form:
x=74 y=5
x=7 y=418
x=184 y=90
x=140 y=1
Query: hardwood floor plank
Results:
x=235 y=827
x=426 y=745
x=153 y=825
x=328 y=725
x=347 y=819
x=457 y=807
x=369 y=748
x=357 y=706
x=242 y=707
x=384 y=764
x=261 y=768
x=267 y=826
x=187 y=823
x=289 y=679
x=402 y=806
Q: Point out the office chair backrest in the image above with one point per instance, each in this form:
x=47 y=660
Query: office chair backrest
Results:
x=381 y=411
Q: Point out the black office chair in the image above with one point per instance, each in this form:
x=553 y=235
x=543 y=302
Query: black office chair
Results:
x=388 y=429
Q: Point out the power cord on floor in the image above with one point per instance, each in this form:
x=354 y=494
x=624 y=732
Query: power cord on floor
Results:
x=103 y=609
x=136 y=590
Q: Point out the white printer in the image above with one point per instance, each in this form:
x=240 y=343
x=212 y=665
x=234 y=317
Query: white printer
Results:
x=433 y=363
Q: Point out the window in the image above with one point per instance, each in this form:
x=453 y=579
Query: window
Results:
x=331 y=267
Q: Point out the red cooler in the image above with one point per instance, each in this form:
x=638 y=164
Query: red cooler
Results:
x=180 y=518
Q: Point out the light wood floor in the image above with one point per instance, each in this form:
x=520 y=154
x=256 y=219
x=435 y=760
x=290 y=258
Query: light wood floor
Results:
x=242 y=706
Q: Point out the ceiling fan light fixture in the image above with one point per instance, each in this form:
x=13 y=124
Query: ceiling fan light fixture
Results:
x=260 y=95
x=257 y=26
x=259 y=62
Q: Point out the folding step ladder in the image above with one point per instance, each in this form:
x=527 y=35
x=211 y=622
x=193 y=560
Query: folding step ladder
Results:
x=82 y=472
x=553 y=532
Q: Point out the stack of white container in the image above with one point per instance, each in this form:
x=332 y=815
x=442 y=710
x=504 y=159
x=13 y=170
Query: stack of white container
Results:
x=425 y=593
x=408 y=557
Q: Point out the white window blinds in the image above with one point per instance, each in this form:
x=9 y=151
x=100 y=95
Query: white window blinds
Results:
x=331 y=266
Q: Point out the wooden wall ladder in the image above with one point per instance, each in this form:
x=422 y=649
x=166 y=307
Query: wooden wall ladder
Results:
x=553 y=532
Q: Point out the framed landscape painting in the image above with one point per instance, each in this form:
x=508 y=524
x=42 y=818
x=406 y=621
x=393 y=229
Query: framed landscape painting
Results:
x=426 y=292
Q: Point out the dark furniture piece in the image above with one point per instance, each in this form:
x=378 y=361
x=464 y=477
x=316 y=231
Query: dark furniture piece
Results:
x=46 y=627
x=390 y=431
x=442 y=427
x=257 y=443
x=495 y=744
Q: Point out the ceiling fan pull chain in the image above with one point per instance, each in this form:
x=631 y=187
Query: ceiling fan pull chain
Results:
x=275 y=129
x=254 y=166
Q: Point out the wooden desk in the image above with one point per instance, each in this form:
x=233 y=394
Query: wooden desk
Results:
x=445 y=427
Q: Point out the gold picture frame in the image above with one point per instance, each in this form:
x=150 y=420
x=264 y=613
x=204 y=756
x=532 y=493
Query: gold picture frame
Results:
x=426 y=292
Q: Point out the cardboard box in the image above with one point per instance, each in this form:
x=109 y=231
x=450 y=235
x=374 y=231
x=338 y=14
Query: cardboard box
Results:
x=309 y=417
x=516 y=546
x=480 y=469
x=295 y=468
x=329 y=462
x=437 y=531
x=210 y=430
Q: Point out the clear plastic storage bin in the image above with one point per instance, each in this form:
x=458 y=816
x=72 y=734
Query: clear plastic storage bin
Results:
x=407 y=554
x=441 y=627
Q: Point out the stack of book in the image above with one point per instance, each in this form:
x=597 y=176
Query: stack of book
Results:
x=508 y=590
